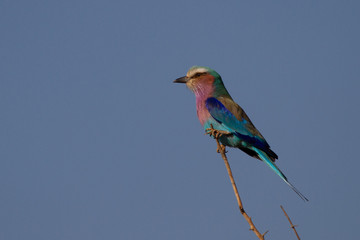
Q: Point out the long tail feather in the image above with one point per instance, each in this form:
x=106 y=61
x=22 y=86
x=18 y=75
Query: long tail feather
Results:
x=262 y=155
x=297 y=191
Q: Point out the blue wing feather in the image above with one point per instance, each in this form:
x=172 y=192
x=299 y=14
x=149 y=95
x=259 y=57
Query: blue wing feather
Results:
x=222 y=115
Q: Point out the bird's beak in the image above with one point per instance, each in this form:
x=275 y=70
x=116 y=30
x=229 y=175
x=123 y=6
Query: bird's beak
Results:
x=182 y=80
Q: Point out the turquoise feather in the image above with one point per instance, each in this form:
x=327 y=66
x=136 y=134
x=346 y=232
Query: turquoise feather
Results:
x=275 y=168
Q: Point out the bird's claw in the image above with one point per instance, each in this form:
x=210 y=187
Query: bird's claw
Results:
x=216 y=133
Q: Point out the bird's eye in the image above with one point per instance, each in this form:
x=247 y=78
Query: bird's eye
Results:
x=197 y=75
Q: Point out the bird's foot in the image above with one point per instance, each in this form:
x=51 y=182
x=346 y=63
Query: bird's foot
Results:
x=216 y=133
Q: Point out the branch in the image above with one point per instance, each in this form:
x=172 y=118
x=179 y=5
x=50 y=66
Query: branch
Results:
x=221 y=149
x=292 y=226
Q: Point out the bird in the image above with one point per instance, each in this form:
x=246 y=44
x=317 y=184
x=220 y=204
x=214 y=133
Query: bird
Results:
x=217 y=110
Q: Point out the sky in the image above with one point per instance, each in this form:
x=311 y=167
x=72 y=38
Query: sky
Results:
x=96 y=142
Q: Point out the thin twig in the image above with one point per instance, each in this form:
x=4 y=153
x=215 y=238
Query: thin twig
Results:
x=221 y=149
x=292 y=225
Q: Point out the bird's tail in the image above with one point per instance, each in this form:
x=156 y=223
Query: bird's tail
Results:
x=262 y=155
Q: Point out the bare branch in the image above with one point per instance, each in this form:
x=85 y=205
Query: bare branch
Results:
x=221 y=149
x=291 y=224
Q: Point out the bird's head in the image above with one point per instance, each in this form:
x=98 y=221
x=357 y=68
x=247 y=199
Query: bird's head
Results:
x=202 y=80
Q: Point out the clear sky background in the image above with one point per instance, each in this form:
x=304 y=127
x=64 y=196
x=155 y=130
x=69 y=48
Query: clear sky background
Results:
x=96 y=142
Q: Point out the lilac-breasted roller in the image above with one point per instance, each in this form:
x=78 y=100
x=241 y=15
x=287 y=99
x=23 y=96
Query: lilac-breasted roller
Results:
x=216 y=108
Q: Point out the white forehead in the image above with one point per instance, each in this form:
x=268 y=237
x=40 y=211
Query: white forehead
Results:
x=193 y=71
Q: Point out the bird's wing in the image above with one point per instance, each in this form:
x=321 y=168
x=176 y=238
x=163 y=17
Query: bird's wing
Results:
x=240 y=115
x=231 y=115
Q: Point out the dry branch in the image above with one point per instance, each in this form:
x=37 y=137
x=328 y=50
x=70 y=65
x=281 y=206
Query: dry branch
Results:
x=221 y=149
x=291 y=224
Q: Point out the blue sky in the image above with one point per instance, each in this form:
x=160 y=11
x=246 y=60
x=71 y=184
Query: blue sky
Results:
x=97 y=142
